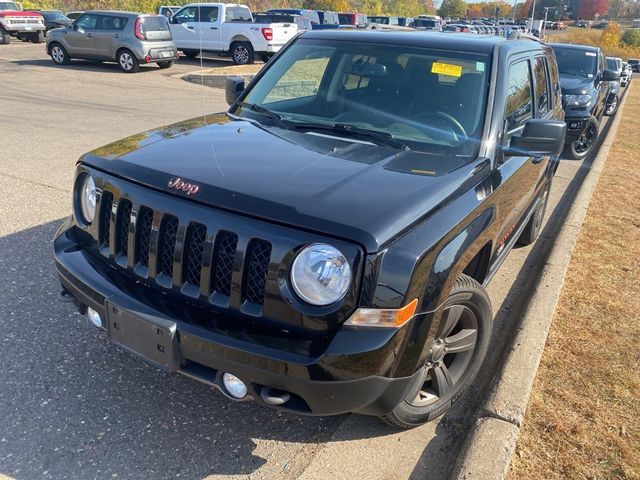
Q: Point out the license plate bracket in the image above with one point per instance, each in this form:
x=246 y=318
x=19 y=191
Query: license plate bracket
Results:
x=152 y=338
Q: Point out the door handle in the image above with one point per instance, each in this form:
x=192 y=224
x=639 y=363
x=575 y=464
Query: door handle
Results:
x=89 y=35
x=191 y=28
x=214 y=28
x=117 y=35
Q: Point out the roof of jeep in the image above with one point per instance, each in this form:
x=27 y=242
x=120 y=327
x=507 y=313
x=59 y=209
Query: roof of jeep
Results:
x=468 y=42
x=586 y=48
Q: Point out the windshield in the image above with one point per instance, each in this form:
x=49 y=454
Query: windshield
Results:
x=9 y=6
x=54 y=15
x=429 y=100
x=579 y=63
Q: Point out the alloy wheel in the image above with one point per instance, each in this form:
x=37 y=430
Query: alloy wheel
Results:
x=612 y=106
x=126 y=62
x=57 y=54
x=584 y=142
x=241 y=54
x=450 y=355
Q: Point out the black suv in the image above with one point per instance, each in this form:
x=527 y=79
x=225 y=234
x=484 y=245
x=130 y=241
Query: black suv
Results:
x=586 y=92
x=323 y=246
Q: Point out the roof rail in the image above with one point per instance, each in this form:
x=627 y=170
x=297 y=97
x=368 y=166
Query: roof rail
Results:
x=515 y=35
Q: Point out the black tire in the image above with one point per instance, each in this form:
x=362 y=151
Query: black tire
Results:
x=265 y=57
x=242 y=53
x=190 y=53
x=582 y=146
x=166 y=64
x=5 y=38
x=612 y=106
x=532 y=230
x=37 y=37
x=59 y=54
x=466 y=323
x=127 y=61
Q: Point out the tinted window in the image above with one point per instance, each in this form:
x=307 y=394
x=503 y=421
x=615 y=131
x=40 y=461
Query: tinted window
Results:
x=345 y=18
x=109 y=22
x=542 y=89
x=237 y=14
x=87 y=21
x=611 y=63
x=207 y=14
x=555 y=79
x=576 y=62
x=519 y=106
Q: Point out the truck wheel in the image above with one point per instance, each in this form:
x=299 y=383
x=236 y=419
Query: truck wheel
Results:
x=59 y=55
x=532 y=230
x=166 y=64
x=582 y=146
x=37 y=37
x=242 y=53
x=5 y=37
x=127 y=61
x=455 y=357
x=612 y=106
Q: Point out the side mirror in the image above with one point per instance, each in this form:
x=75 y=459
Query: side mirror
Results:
x=610 y=76
x=539 y=138
x=234 y=88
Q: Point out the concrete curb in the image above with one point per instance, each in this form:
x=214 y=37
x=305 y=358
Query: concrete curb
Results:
x=487 y=451
x=211 y=79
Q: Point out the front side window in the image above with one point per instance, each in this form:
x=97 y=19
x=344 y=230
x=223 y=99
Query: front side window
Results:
x=185 y=15
x=430 y=100
x=87 y=21
x=519 y=98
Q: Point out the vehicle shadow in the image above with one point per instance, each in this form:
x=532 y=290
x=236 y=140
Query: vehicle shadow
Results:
x=86 y=65
x=75 y=406
x=508 y=318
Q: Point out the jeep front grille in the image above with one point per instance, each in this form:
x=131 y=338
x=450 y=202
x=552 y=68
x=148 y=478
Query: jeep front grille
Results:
x=188 y=255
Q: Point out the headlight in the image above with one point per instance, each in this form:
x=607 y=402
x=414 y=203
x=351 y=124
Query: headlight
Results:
x=321 y=274
x=577 y=100
x=88 y=199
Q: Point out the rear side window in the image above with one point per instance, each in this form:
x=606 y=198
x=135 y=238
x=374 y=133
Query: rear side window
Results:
x=542 y=88
x=109 y=22
x=519 y=97
x=208 y=14
x=237 y=14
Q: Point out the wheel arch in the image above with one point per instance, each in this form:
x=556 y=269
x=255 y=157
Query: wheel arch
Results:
x=239 y=38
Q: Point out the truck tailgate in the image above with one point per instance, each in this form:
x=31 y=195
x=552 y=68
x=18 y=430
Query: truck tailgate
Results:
x=283 y=32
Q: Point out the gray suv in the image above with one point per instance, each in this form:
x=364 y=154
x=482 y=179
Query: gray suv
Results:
x=128 y=38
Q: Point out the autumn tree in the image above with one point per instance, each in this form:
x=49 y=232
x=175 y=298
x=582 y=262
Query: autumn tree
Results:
x=452 y=8
x=590 y=8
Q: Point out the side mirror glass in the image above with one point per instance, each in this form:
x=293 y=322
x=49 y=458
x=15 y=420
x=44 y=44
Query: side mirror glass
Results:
x=539 y=138
x=233 y=90
x=610 y=76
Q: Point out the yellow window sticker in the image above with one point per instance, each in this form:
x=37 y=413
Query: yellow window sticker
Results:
x=446 y=69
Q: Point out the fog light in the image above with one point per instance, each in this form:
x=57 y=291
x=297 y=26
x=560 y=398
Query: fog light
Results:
x=147 y=58
x=94 y=318
x=234 y=386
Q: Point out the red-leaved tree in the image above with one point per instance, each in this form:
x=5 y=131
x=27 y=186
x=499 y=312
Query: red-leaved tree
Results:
x=589 y=8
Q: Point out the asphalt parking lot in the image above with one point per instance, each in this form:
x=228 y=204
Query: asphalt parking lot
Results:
x=74 y=406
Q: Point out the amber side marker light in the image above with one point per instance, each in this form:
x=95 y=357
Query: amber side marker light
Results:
x=377 y=317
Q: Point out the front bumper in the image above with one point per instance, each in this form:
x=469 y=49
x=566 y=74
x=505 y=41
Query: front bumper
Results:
x=314 y=385
x=13 y=29
x=576 y=124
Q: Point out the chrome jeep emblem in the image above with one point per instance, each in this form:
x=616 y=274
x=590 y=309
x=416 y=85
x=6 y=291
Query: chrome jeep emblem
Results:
x=179 y=184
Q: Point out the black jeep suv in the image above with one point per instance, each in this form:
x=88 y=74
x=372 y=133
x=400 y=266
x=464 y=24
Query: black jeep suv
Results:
x=586 y=94
x=324 y=245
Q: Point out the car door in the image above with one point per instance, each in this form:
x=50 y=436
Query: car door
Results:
x=517 y=174
x=183 y=28
x=80 y=39
x=107 y=35
x=208 y=28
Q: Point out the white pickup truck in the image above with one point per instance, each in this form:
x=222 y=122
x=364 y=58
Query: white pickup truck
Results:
x=227 y=29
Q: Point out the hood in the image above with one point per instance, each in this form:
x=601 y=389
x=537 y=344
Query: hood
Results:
x=17 y=13
x=359 y=192
x=572 y=85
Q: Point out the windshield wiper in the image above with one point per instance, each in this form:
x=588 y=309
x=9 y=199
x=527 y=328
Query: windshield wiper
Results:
x=345 y=128
x=265 y=111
